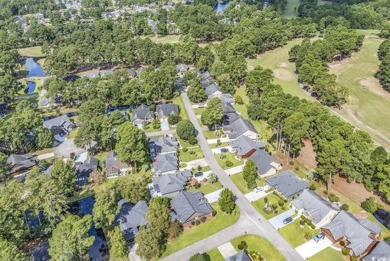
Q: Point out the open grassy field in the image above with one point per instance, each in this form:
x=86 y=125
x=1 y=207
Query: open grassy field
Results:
x=168 y=39
x=35 y=51
x=291 y=10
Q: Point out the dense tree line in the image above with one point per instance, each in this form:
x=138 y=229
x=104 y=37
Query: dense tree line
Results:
x=311 y=58
x=383 y=73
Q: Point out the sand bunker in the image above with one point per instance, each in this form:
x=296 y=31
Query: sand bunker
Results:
x=373 y=85
x=283 y=75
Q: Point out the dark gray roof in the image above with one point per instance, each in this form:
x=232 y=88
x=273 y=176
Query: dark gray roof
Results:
x=380 y=252
x=166 y=162
x=166 y=184
x=164 y=110
x=211 y=89
x=142 y=113
x=132 y=72
x=186 y=204
x=58 y=122
x=130 y=217
x=263 y=161
x=40 y=252
x=357 y=232
x=228 y=108
x=240 y=256
x=313 y=204
x=243 y=145
x=239 y=127
x=20 y=162
x=67 y=148
x=227 y=98
x=84 y=169
x=163 y=145
x=113 y=165
x=204 y=76
x=181 y=67
x=287 y=183
x=229 y=118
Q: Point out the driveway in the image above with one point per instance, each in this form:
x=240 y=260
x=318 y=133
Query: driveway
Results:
x=227 y=250
x=164 y=126
x=277 y=222
x=312 y=247
x=218 y=150
x=253 y=195
x=213 y=196
x=234 y=170
x=132 y=253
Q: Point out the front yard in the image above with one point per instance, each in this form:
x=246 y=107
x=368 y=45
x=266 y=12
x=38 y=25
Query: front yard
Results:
x=240 y=182
x=274 y=201
x=207 y=188
x=297 y=235
x=328 y=254
x=210 y=134
x=182 y=108
x=228 y=160
x=191 y=154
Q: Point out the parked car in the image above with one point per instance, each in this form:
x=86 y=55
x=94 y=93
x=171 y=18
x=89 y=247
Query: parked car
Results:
x=224 y=150
x=318 y=237
x=288 y=220
x=198 y=174
x=257 y=190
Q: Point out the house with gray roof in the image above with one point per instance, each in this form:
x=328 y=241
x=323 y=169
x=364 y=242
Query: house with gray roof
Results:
x=20 y=164
x=190 y=206
x=165 y=164
x=213 y=91
x=142 y=116
x=227 y=98
x=165 y=110
x=115 y=167
x=240 y=256
x=84 y=168
x=360 y=235
x=163 y=145
x=59 y=126
x=380 y=252
x=40 y=252
x=131 y=217
x=244 y=147
x=287 y=184
x=68 y=149
x=205 y=76
x=181 y=68
x=132 y=73
x=315 y=208
x=240 y=127
x=170 y=185
x=266 y=164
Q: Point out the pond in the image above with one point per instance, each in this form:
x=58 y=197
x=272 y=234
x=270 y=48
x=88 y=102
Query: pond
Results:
x=30 y=88
x=221 y=6
x=33 y=68
x=99 y=249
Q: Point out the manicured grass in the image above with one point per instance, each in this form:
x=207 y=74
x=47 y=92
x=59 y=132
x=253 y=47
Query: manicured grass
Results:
x=73 y=134
x=272 y=199
x=213 y=255
x=149 y=128
x=210 y=134
x=168 y=39
x=295 y=235
x=183 y=111
x=328 y=254
x=191 y=154
x=291 y=10
x=207 y=188
x=222 y=144
x=228 y=157
x=260 y=245
x=206 y=168
x=198 y=111
x=202 y=231
x=35 y=51
x=240 y=182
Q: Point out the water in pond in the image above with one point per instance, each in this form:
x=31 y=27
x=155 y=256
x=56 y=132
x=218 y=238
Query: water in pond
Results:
x=220 y=7
x=33 y=68
x=99 y=249
x=30 y=88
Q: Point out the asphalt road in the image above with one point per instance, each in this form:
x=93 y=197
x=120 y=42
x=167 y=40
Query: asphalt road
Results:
x=251 y=221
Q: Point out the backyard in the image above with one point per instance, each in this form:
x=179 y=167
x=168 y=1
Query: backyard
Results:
x=274 y=201
x=240 y=182
x=228 y=160
x=35 y=52
x=297 y=235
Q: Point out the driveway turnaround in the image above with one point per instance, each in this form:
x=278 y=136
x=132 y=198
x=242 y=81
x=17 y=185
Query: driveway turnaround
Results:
x=312 y=247
x=253 y=195
x=213 y=196
x=227 y=250
x=277 y=222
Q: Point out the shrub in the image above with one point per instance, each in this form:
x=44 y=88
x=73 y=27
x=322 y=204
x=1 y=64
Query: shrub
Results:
x=387 y=239
x=214 y=213
x=291 y=162
x=197 y=257
x=192 y=152
x=342 y=243
x=255 y=256
x=307 y=236
x=173 y=119
x=185 y=149
x=312 y=187
x=193 y=223
x=354 y=258
x=344 y=251
x=192 y=140
x=175 y=230
x=197 y=222
x=301 y=222
x=203 y=219
x=222 y=156
x=369 y=205
x=197 y=185
x=228 y=163
x=276 y=211
x=238 y=99
x=281 y=202
x=185 y=130
x=283 y=208
x=265 y=200
x=199 y=168
x=344 y=207
x=312 y=226
x=156 y=124
x=243 y=245
x=274 y=206
x=333 y=198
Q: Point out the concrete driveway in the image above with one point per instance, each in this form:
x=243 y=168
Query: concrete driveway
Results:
x=213 y=196
x=312 y=247
x=235 y=170
x=227 y=250
x=255 y=195
x=277 y=222
x=164 y=125
x=218 y=150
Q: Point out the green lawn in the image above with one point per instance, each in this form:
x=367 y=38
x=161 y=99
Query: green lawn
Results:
x=240 y=182
x=183 y=111
x=272 y=199
x=149 y=128
x=199 y=111
x=193 y=153
x=202 y=231
x=228 y=157
x=35 y=51
x=291 y=10
x=168 y=39
x=295 y=235
x=207 y=188
x=73 y=134
x=210 y=134
x=260 y=245
x=213 y=255
x=328 y=254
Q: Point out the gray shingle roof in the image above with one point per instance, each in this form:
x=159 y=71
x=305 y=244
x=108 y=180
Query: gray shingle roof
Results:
x=171 y=183
x=204 y=76
x=181 y=67
x=228 y=108
x=355 y=231
x=142 y=113
x=240 y=256
x=211 y=89
x=166 y=162
x=84 y=169
x=316 y=206
x=380 y=252
x=20 y=161
x=113 y=165
x=186 y=204
x=130 y=217
x=58 y=122
x=263 y=161
x=227 y=98
x=163 y=145
x=287 y=183
x=164 y=110
x=243 y=145
x=239 y=127
x=67 y=148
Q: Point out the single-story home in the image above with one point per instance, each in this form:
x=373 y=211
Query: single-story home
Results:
x=315 y=208
x=20 y=164
x=142 y=116
x=244 y=147
x=165 y=110
x=266 y=164
x=181 y=68
x=165 y=164
x=240 y=127
x=287 y=184
x=163 y=145
x=213 y=91
x=359 y=235
x=131 y=217
x=205 y=76
x=114 y=167
x=240 y=256
x=84 y=167
x=227 y=98
x=170 y=185
x=60 y=127
x=188 y=207
x=381 y=251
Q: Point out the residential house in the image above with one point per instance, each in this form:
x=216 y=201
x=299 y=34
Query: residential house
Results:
x=84 y=167
x=213 y=91
x=20 y=164
x=140 y=70
x=166 y=164
x=359 y=235
x=287 y=184
x=114 y=167
x=142 y=116
x=163 y=145
x=189 y=207
x=315 y=208
x=60 y=127
x=240 y=256
x=266 y=164
x=240 y=127
x=165 y=110
x=205 y=76
x=153 y=24
x=181 y=68
x=132 y=73
x=3 y=109
x=40 y=252
x=381 y=251
x=244 y=147
x=69 y=150
x=227 y=98
x=170 y=185
x=131 y=217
